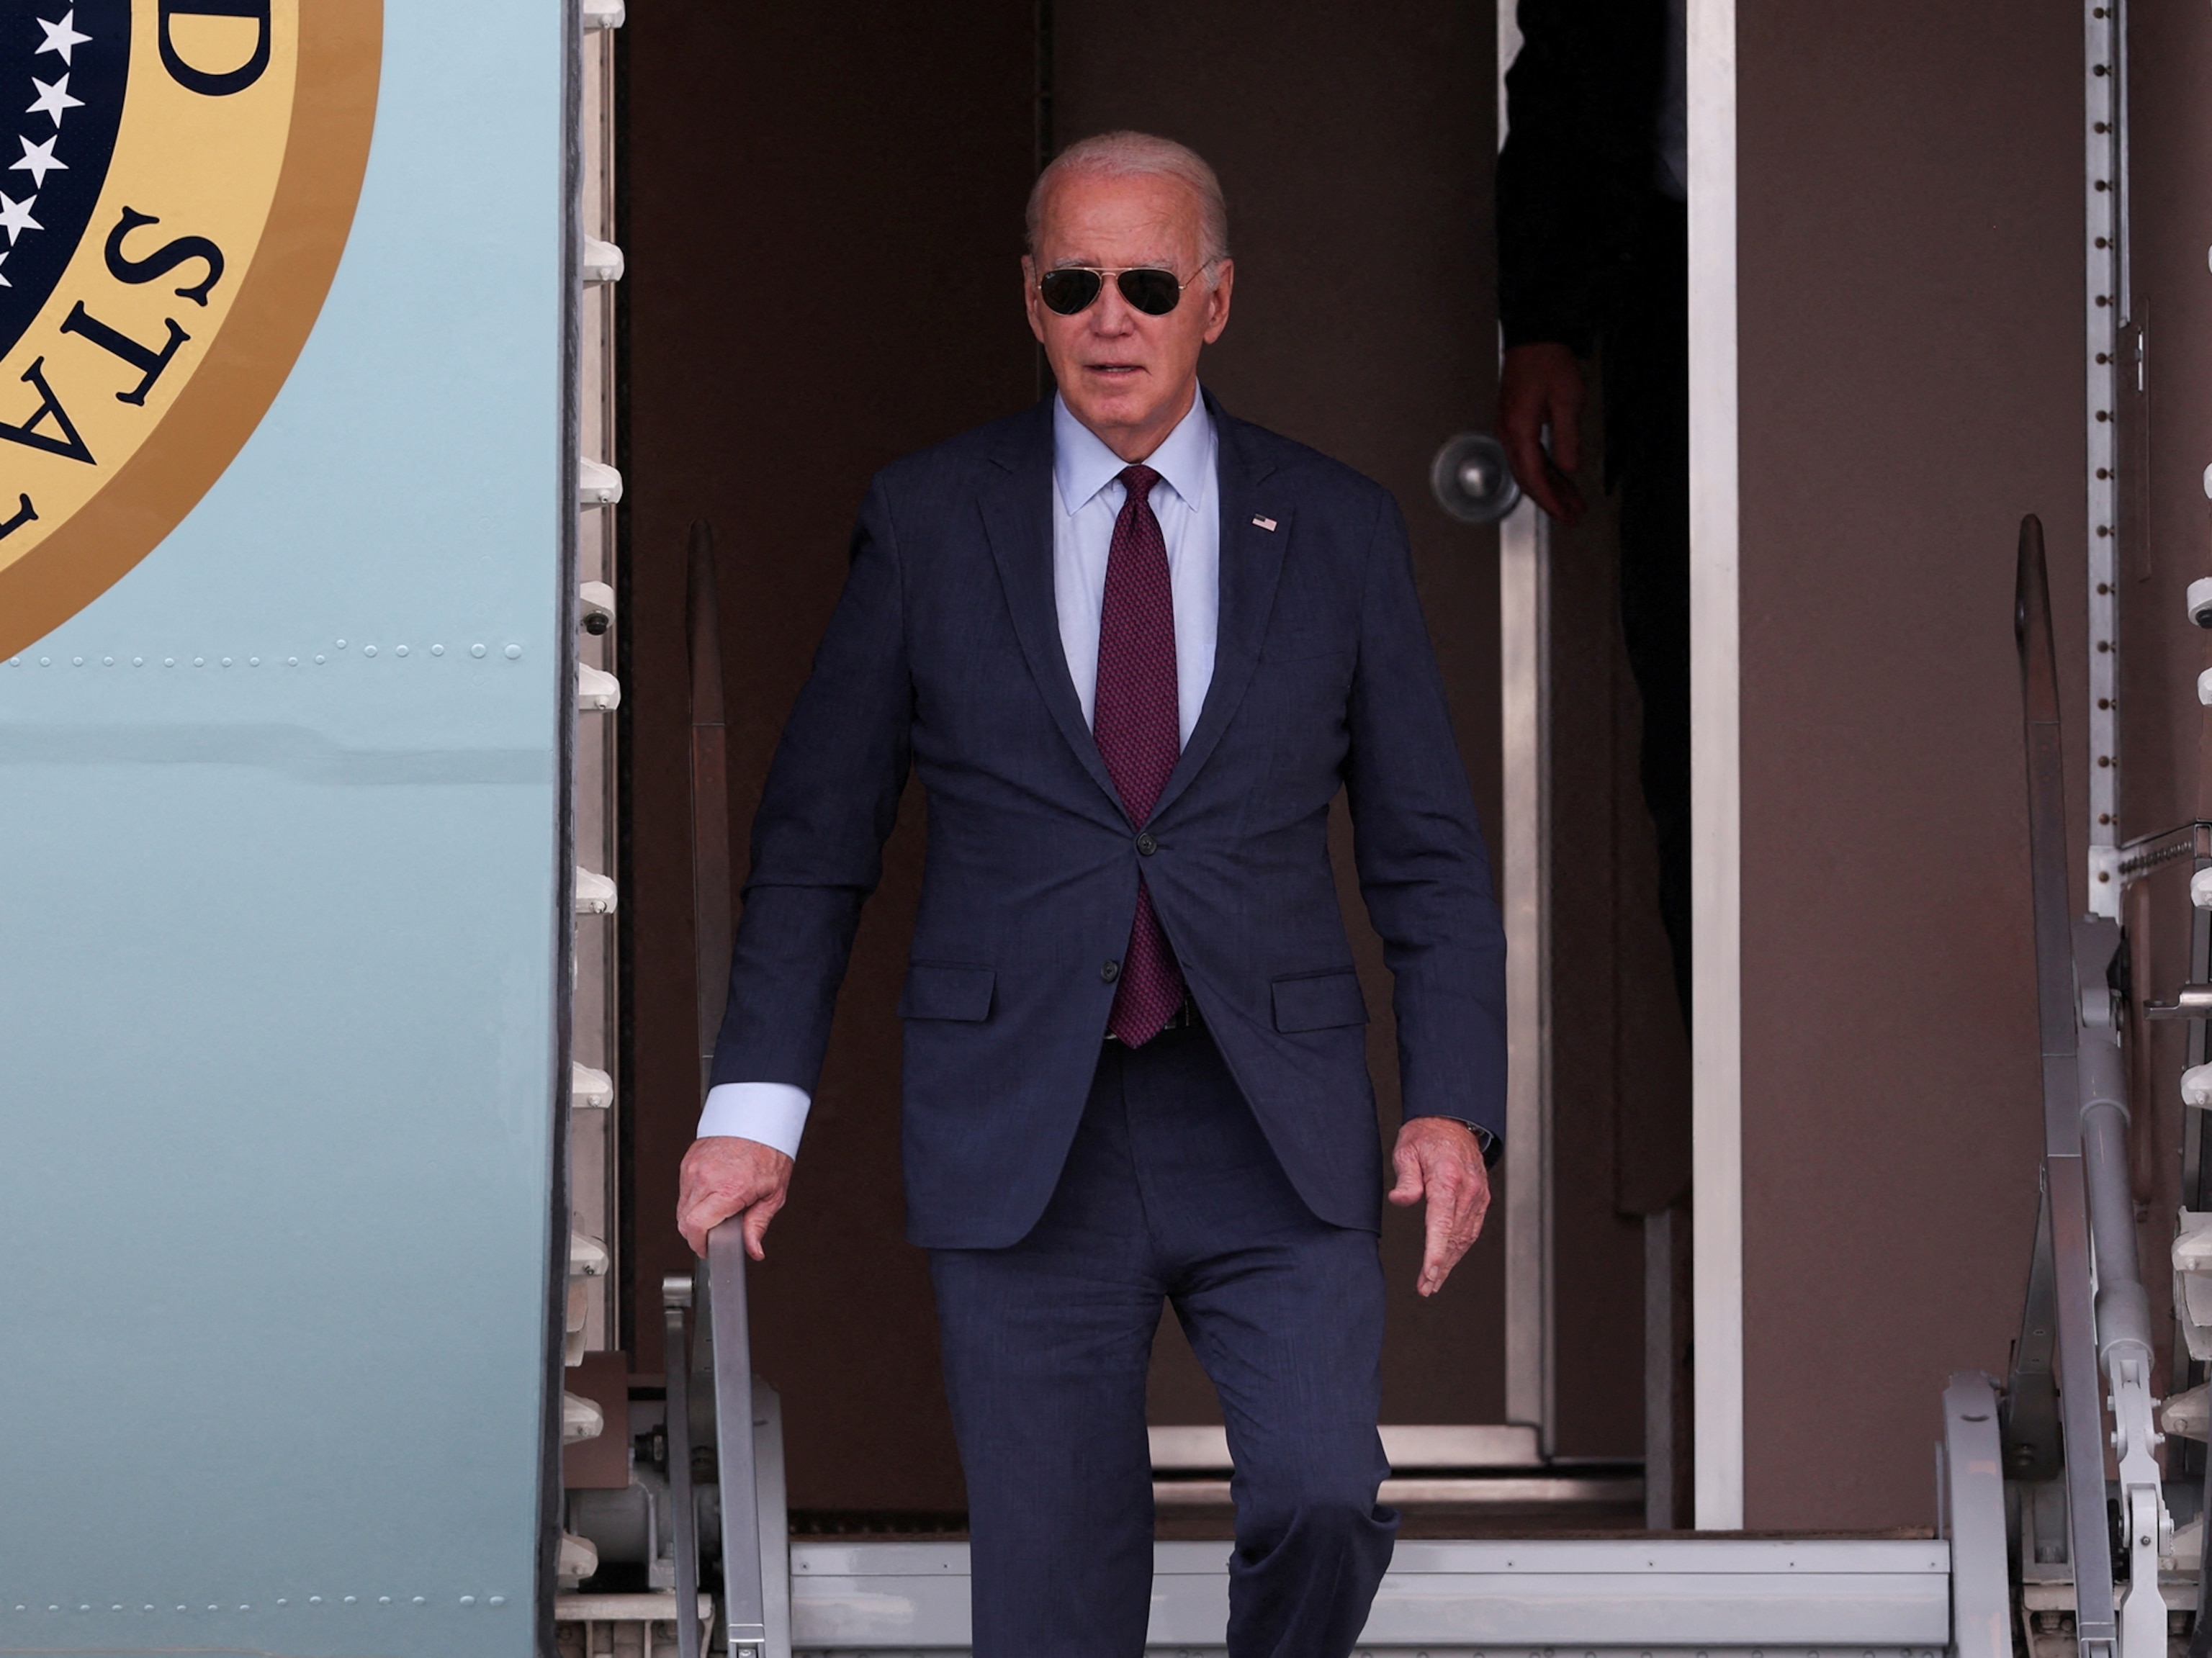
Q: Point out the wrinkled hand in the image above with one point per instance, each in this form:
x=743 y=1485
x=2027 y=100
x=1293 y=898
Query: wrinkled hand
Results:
x=1541 y=385
x=724 y=1176
x=1441 y=1160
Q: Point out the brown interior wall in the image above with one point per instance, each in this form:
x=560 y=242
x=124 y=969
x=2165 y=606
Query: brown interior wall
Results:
x=1911 y=328
x=824 y=210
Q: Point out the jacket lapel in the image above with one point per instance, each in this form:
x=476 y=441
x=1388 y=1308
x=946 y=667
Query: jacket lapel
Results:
x=1017 y=509
x=1251 y=566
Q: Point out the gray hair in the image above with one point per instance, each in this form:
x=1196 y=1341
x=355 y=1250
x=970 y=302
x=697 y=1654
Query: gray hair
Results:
x=1128 y=155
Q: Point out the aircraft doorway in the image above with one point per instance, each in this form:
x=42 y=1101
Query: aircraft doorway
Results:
x=821 y=211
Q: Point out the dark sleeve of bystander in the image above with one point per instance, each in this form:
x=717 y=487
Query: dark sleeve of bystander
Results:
x=1582 y=98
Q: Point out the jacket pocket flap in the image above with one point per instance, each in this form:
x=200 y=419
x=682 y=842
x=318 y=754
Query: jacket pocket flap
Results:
x=1304 y=646
x=946 y=990
x=1319 y=1001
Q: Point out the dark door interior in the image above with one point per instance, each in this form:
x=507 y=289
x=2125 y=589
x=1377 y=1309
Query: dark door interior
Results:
x=823 y=213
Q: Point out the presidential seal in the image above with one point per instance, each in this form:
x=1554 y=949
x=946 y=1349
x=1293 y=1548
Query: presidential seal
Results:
x=177 y=179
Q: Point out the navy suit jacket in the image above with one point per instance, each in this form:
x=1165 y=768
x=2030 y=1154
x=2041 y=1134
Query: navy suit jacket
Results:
x=945 y=655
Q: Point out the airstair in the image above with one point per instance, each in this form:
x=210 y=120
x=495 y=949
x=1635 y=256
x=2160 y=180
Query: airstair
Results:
x=2071 y=1504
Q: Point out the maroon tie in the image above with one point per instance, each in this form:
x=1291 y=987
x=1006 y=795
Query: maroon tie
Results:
x=1135 y=721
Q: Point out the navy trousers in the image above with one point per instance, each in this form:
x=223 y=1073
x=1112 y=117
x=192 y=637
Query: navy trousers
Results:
x=1171 y=1193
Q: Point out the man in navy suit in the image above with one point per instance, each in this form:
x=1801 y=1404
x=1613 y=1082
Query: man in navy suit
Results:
x=1134 y=646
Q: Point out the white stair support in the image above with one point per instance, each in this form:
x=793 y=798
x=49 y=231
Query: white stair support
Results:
x=603 y=14
x=1719 y=1595
x=2192 y=1282
x=2197 y=1086
x=630 y=1625
x=650 y=1609
x=2184 y=1416
x=590 y=1090
x=1499 y=1445
x=602 y=261
x=587 y=1256
x=580 y=1420
x=595 y=894
x=597 y=690
x=1974 y=1469
x=1538 y=1487
x=595 y=603
x=597 y=484
x=774 y=1509
x=575 y=1326
x=578 y=1560
x=2188 y=1550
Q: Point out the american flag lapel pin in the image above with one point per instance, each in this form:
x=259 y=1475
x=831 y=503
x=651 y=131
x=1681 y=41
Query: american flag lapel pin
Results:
x=1264 y=523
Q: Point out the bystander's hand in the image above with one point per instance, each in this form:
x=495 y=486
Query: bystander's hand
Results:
x=1541 y=386
x=725 y=1176
x=1440 y=1159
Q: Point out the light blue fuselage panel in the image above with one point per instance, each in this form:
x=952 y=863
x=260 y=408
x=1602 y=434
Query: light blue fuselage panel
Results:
x=280 y=953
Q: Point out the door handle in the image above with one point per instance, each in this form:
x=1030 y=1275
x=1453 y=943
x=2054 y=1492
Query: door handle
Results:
x=1472 y=481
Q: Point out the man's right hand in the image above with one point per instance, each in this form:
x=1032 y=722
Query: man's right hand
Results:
x=1540 y=386
x=725 y=1176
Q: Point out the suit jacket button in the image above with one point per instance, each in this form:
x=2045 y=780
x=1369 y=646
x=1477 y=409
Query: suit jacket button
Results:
x=1110 y=972
x=1146 y=845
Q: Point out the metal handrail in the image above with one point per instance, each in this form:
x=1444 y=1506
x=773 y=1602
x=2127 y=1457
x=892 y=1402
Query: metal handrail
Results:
x=744 y=1600
x=675 y=1303
x=2073 y=1325
x=2085 y=1303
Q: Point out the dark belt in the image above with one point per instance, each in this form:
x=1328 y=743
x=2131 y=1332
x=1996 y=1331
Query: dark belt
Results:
x=1183 y=1018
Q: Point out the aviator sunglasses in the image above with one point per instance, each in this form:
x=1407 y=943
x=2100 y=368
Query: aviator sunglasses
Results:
x=1071 y=288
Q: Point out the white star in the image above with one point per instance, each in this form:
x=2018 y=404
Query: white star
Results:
x=15 y=216
x=4 y=282
x=39 y=160
x=53 y=99
x=62 y=37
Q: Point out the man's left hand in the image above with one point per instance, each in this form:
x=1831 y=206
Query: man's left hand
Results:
x=1440 y=1159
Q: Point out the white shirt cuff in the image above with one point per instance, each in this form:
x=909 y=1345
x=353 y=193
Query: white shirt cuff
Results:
x=774 y=1114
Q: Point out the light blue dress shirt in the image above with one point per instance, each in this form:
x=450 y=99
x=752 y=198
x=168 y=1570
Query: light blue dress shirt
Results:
x=1087 y=496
